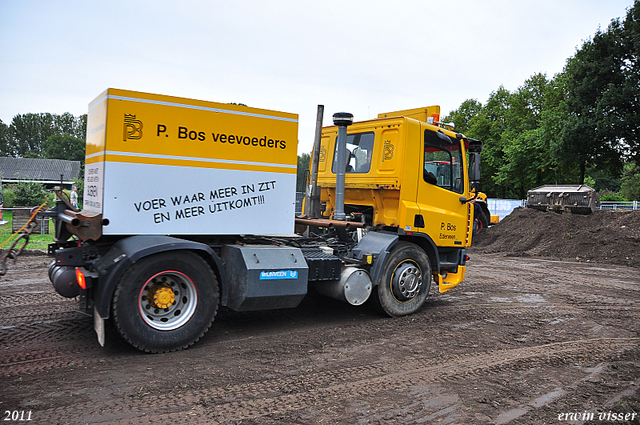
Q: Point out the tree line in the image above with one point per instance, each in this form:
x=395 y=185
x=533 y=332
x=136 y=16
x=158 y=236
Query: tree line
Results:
x=44 y=135
x=580 y=127
x=41 y=135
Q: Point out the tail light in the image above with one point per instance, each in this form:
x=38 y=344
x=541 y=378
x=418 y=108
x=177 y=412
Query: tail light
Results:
x=80 y=278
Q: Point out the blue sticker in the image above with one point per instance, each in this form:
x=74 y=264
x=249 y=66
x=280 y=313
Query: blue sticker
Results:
x=280 y=274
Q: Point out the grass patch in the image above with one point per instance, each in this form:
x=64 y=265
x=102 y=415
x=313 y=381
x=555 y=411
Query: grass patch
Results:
x=37 y=241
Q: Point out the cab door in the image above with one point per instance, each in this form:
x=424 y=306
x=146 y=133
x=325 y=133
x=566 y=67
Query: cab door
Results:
x=442 y=183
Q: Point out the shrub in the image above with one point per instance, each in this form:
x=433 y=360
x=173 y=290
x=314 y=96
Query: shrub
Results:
x=9 y=197
x=612 y=196
x=29 y=194
x=51 y=199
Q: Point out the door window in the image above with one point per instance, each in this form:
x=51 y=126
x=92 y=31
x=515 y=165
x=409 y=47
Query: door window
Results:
x=443 y=161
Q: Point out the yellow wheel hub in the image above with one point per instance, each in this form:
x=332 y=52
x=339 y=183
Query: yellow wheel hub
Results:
x=162 y=296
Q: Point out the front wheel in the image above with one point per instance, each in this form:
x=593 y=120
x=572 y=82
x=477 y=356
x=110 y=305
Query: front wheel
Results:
x=406 y=281
x=166 y=302
x=481 y=220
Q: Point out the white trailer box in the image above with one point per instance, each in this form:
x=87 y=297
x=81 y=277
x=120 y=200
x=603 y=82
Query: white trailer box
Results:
x=166 y=165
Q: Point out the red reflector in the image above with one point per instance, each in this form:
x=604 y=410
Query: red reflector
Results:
x=80 y=279
x=466 y=258
x=408 y=233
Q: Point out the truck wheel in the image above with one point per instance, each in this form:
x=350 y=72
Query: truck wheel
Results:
x=405 y=283
x=481 y=219
x=166 y=302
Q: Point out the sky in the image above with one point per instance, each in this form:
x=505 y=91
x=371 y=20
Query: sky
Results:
x=362 y=57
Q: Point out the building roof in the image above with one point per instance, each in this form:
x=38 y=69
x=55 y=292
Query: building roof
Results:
x=40 y=170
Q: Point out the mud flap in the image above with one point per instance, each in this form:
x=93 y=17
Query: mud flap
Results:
x=98 y=326
x=379 y=245
x=451 y=279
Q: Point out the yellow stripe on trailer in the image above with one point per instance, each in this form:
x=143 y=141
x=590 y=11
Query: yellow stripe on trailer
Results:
x=191 y=162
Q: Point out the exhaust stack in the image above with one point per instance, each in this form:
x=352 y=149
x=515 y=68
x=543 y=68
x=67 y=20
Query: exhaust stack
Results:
x=342 y=120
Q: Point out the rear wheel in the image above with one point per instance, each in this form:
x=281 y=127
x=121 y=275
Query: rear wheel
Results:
x=406 y=280
x=166 y=302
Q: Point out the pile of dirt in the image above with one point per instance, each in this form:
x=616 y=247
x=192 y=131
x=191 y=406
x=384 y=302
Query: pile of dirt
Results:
x=606 y=236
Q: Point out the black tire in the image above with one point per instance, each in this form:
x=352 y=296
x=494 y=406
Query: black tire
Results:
x=405 y=283
x=480 y=218
x=166 y=302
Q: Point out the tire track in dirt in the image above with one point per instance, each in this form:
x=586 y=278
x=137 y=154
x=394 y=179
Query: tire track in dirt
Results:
x=44 y=341
x=28 y=347
x=35 y=316
x=284 y=394
x=51 y=336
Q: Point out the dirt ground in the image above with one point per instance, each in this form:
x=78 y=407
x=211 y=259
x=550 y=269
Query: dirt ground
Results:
x=544 y=330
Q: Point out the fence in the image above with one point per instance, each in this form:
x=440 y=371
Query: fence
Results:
x=503 y=207
x=299 y=198
x=615 y=205
x=20 y=218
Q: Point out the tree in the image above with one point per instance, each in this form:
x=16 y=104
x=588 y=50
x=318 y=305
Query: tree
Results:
x=521 y=146
x=73 y=126
x=488 y=126
x=5 y=140
x=551 y=131
x=602 y=84
x=631 y=182
x=533 y=129
x=81 y=127
x=461 y=117
x=28 y=132
x=623 y=101
x=303 y=165
x=602 y=181
x=64 y=146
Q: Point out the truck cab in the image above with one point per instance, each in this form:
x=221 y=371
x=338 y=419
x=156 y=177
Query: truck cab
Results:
x=408 y=175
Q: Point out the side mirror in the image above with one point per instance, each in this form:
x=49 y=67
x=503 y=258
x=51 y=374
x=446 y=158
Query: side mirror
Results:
x=474 y=167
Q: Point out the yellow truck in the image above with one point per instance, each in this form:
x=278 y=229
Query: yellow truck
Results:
x=407 y=179
x=190 y=205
